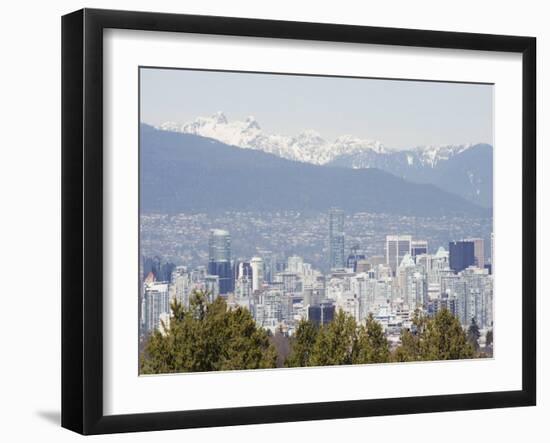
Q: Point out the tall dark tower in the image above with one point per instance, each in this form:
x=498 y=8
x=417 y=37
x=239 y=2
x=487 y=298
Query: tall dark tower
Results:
x=219 y=259
x=461 y=255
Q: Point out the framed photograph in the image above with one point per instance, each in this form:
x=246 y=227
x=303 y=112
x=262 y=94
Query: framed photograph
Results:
x=268 y=221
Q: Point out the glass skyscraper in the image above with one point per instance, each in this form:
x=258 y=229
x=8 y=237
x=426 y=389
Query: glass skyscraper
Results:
x=336 y=239
x=461 y=255
x=219 y=259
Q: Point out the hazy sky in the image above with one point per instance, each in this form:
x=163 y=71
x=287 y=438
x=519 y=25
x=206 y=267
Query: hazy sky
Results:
x=399 y=114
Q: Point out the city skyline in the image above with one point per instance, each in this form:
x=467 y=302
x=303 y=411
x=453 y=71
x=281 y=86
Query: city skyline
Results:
x=287 y=230
x=402 y=276
x=300 y=234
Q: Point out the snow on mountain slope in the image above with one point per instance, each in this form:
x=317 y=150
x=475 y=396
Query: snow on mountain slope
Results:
x=307 y=147
x=433 y=154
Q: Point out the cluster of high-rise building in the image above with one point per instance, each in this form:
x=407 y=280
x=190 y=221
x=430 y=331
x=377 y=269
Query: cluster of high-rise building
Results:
x=279 y=293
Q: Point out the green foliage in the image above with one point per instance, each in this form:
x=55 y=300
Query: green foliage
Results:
x=302 y=344
x=334 y=343
x=438 y=338
x=371 y=345
x=281 y=342
x=211 y=337
x=340 y=342
x=207 y=337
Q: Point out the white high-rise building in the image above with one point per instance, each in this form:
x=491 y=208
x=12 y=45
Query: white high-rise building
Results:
x=212 y=286
x=412 y=283
x=257 y=266
x=243 y=288
x=473 y=289
x=156 y=304
x=181 y=285
x=295 y=264
x=272 y=309
x=243 y=284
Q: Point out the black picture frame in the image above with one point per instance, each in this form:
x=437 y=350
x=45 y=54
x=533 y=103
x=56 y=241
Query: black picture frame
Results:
x=82 y=215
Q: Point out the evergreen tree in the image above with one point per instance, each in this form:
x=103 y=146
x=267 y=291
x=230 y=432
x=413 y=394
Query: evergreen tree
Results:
x=247 y=346
x=211 y=337
x=411 y=345
x=334 y=343
x=207 y=337
x=371 y=345
x=281 y=342
x=302 y=344
x=438 y=338
x=444 y=339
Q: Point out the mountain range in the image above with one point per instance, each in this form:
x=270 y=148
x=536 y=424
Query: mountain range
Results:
x=307 y=147
x=186 y=172
x=465 y=170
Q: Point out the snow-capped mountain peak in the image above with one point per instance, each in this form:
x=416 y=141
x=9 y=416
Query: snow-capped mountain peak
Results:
x=308 y=146
x=252 y=122
x=219 y=118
